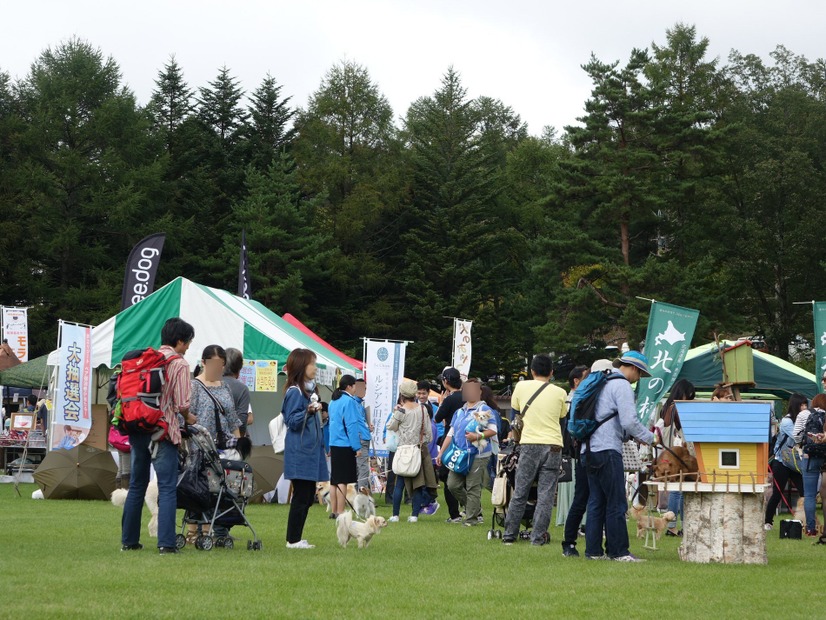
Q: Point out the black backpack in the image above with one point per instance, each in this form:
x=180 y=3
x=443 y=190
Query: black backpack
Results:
x=814 y=425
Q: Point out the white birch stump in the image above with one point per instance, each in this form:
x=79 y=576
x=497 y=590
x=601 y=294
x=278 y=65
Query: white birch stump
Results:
x=725 y=528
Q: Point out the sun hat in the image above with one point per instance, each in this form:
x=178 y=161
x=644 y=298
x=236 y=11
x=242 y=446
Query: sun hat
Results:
x=408 y=388
x=634 y=358
x=601 y=365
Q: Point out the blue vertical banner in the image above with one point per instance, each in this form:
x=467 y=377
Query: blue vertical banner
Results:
x=667 y=340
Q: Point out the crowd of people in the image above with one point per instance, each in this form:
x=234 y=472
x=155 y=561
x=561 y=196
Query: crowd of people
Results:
x=456 y=440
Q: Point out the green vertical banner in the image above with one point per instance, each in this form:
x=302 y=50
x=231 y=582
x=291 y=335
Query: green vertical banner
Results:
x=670 y=330
x=819 y=309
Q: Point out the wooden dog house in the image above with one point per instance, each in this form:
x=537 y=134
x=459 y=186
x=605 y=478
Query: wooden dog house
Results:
x=730 y=438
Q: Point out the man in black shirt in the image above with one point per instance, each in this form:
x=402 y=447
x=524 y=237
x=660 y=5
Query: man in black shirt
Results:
x=451 y=403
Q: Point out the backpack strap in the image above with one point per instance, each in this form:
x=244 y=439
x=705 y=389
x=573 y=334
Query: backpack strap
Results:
x=613 y=415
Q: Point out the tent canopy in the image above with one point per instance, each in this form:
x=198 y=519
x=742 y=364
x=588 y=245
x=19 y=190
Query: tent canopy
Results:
x=704 y=368
x=218 y=317
x=306 y=330
x=31 y=374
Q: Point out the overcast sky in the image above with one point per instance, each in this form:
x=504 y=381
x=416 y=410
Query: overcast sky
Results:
x=525 y=52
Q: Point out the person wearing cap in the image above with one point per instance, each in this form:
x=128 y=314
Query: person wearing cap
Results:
x=412 y=422
x=540 y=450
x=602 y=454
x=451 y=403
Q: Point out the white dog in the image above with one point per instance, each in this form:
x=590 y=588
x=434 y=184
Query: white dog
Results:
x=151 y=500
x=347 y=529
x=481 y=420
x=363 y=503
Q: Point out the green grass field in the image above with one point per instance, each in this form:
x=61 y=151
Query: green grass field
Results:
x=63 y=559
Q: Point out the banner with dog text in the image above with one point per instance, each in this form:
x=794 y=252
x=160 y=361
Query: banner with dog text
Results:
x=16 y=331
x=72 y=411
x=462 y=346
x=384 y=369
x=819 y=308
x=670 y=330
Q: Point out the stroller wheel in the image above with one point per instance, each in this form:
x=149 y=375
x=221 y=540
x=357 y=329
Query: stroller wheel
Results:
x=256 y=546
x=491 y=534
x=180 y=541
x=497 y=534
x=227 y=543
x=219 y=542
x=249 y=545
x=204 y=542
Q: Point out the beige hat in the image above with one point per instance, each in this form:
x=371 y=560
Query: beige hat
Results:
x=601 y=365
x=408 y=388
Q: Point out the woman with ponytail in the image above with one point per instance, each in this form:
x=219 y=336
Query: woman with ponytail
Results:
x=346 y=417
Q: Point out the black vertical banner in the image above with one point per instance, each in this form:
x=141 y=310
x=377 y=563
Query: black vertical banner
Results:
x=141 y=269
x=244 y=288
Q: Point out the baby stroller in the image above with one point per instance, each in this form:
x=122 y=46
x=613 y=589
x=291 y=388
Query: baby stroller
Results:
x=212 y=491
x=503 y=487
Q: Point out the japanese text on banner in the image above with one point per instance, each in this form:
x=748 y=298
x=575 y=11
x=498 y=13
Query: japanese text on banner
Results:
x=385 y=371
x=73 y=392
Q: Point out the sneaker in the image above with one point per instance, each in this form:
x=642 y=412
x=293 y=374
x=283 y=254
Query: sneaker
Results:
x=546 y=538
x=480 y=518
x=430 y=509
x=677 y=534
x=768 y=527
x=393 y=519
x=456 y=520
x=471 y=523
x=628 y=558
x=167 y=550
x=569 y=551
x=301 y=544
x=596 y=557
x=412 y=519
x=136 y=547
x=811 y=533
x=508 y=541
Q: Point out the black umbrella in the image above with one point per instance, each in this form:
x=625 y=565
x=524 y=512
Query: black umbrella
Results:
x=83 y=472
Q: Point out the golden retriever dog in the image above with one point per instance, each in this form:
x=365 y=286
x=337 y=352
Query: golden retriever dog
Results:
x=151 y=500
x=644 y=521
x=347 y=529
x=667 y=466
x=800 y=513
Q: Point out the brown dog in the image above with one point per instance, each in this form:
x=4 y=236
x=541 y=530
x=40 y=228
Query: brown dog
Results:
x=800 y=513
x=668 y=465
x=644 y=521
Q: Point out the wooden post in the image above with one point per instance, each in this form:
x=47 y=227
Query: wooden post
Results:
x=723 y=527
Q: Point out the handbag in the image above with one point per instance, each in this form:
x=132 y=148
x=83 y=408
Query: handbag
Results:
x=518 y=420
x=220 y=436
x=118 y=440
x=407 y=462
x=499 y=494
x=566 y=469
x=457 y=460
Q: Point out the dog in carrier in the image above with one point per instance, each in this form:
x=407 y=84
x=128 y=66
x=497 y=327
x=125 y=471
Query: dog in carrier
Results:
x=503 y=486
x=214 y=494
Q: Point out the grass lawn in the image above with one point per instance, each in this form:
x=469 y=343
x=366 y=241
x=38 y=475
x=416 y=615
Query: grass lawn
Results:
x=62 y=559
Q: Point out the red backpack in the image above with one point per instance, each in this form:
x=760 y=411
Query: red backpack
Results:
x=139 y=387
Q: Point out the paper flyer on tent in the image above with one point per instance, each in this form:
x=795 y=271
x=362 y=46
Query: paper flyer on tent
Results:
x=670 y=330
x=385 y=371
x=16 y=331
x=72 y=418
x=247 y=375
x=266 y=376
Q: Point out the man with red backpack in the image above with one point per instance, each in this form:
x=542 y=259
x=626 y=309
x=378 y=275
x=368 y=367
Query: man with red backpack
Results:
x=159 y=448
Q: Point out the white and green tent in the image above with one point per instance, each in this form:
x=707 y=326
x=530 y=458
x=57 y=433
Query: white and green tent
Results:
x=218 y=317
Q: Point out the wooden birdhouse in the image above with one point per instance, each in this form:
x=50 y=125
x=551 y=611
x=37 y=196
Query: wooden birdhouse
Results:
x=730 y=439
x=738 y=364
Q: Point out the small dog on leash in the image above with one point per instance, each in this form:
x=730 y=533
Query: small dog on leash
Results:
x=800 y=513
x=151 y=501
x=644 y=521
x=347 y=529
x=363 y=503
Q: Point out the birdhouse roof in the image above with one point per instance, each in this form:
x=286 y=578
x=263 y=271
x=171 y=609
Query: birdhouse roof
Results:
x=725 y=422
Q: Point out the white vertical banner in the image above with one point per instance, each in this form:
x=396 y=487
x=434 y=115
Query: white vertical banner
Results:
x=384 y=367
x=462 y=347
x=16 y=331
x=72 y=417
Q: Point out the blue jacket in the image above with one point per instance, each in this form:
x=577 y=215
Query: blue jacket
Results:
x=304 y=444
x=346 y=418
x=364 y=429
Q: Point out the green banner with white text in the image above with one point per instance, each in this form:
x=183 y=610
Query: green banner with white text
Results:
x=819 y=310
x=670 y=330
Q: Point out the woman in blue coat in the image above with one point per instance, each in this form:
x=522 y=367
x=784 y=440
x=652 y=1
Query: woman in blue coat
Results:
x=346 y=420
x=304 y=462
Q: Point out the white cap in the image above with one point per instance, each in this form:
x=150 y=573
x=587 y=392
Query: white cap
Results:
x=602 y=365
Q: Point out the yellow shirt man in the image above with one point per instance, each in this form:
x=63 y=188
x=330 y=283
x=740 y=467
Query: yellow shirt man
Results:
x=541 y=420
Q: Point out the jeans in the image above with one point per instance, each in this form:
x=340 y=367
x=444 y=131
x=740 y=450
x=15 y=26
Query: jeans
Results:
x=467 y=489
x=781 y=475
x=165 y=463
x=811 y=484
x=675 y=505
x=607 y=505
x=303 y=498
x=420 y=499
x=578 y=506
x=541 y=463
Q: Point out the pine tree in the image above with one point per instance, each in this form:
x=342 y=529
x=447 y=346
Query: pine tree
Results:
x=270 y=114
x=171 y=101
